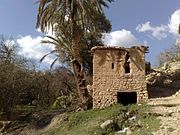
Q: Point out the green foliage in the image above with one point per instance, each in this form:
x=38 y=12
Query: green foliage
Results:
x=77 y=26
x=74 y=23
x=84 y=122
x=60 y=103
x=10 y=75
x=84 y=14
x=23 y=86
x=88 y=122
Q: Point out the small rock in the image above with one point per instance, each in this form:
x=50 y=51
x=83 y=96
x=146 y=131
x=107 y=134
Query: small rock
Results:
x=158 y=74
x=167 y=82
x=34 y=102
x=169 y=113
x=165 y=66
x=178 y=110
x=132 y=118
x=128 y=113
x=106 y=124
x=128 y=132
x=125 y=130
x=139 y=122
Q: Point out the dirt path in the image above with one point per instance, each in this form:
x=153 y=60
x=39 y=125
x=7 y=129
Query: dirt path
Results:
x=168 y=111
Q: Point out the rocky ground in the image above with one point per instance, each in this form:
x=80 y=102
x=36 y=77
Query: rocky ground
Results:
x=168 y=111
x=164 y=90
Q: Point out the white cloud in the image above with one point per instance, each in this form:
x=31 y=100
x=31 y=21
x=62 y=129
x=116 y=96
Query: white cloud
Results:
x=39 y=30
x=32 y=48
x=162 y=30
x=158 y=32
x=48 y=30
x=10 y=43
x=120 y=38
x=174 y=22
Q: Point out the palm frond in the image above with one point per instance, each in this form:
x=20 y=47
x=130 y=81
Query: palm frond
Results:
x=52 y=64
x=47 y=55
x=72 y=20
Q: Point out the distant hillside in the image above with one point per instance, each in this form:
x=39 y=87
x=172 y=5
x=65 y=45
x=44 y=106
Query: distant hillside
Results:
x=164 y=81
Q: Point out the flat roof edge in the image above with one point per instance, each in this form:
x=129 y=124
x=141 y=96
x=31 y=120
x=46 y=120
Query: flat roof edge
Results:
x=144 y=48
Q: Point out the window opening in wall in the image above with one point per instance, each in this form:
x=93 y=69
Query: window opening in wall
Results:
x=127 y=67
x=126 y=98
x=112 y=66
x=127 y=63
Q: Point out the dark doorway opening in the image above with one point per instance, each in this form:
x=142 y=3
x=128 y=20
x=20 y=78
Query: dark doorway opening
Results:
x=126 y=98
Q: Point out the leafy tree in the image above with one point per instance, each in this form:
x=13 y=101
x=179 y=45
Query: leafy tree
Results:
x=22 y=84
x=170 y=55
x=8 y=49
x=12 y=76
x=77 y=25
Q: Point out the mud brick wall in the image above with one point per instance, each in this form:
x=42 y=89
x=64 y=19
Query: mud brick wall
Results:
x=118 y=70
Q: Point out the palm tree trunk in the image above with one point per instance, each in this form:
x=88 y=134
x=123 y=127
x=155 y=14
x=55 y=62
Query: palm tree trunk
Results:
x=86 y=99
x=79 y=74
x=78 y=68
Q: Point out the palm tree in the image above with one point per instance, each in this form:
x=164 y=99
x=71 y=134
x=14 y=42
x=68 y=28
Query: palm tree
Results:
x=62 y=45
x=77 y=18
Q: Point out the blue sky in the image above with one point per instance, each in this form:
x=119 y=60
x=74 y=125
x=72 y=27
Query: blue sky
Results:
x=18 y=17
x=149 y=22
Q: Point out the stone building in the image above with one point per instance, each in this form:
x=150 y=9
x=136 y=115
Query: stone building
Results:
x=118 y=75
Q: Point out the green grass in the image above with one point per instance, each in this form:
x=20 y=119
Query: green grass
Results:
x=88 y=122
x=150 y=124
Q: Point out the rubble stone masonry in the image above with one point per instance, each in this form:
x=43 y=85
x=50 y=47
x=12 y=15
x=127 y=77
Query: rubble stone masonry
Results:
x=117 y=69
